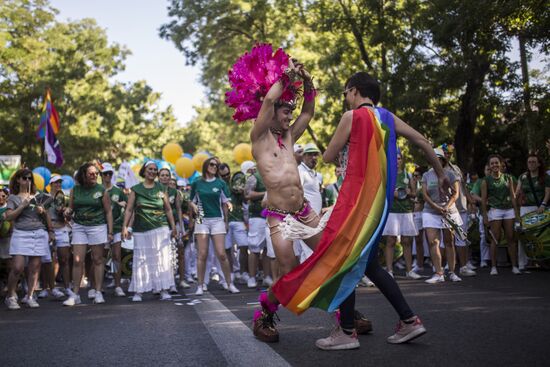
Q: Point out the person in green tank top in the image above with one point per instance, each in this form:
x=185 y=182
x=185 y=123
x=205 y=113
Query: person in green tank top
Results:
x=118 y=203
x=175 y=199
x=93 y=226
x=401 y=220
x=210 y=200
x=498 y=201
x=148 y=203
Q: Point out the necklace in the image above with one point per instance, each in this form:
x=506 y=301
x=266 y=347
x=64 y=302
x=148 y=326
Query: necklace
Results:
x=279 y=133
x=366 y=104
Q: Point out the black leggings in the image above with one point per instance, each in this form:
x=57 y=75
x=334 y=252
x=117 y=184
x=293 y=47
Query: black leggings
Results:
x=389 y=288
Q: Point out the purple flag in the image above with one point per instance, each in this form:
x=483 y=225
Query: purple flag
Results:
x=52 y=147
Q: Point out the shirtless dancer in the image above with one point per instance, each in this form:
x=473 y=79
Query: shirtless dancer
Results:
x=273 y=140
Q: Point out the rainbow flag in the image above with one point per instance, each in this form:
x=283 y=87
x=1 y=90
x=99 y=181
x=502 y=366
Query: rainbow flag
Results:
x=350 y=239
x=49 y=115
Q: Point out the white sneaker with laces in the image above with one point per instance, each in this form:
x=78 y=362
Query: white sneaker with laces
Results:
x=165 y=296
x=31 y=303
x=267 y=281
x=224 y=285
x=407 y=332
x=251 y=283
x=365 y=282
x=205 y=287
x=199 y=291
x=56 y=292
x=338 y=340
x=244 y=278
x=119 y=292
x=72 y=300
x=516 y=271
x=413 y=275
x=471 y=266
x=454 y=278
x=467 y=272
x=494 y=271
x=43 y=293
x=137 y=297
x=99 y=298
x=69 y=292
x=184 y=284
x=91 y=294
x=436 y=278
x=233 y=289
x=11 y=303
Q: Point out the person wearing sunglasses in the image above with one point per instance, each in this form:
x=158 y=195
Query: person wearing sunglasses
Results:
x=32 y=230
x=148 y=204
x=118 y=203
x=210 y=197
x=91 y=212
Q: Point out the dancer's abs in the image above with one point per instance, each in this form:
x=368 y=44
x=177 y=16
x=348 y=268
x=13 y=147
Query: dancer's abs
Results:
x=284 y=189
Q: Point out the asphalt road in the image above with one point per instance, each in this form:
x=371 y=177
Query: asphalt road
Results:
x=497 y=321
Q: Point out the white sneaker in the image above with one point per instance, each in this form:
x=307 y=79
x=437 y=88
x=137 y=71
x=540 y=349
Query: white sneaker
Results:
x=413 y=275
x=57 y=293
x=244 y=278
x=467 y=272
x=173 y=290
x=190 y=280
x=223 y=283
x=119 y=292
x=516 y=271
x=91 y=294
x=454 y=278
x=267 y=281
x=99 y=298
x=165 y=296
x=31 y=303
x=483 y=264
x=251 y=283
x=215 y=277
x=25 y=299
x=233 y=289
x=365 y=282
x=184 y=284
x=43 y=293
x=12 y=304
x=69 y=292
x=205 y=287
x=199 y=291
x=471 y=266
x=72 y=300
x=137 y=297
x=436 y=278
x=84 y=283
x=494 y=271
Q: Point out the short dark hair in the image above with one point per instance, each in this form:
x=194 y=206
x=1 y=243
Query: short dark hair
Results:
x=81 y=173
x=365 y=84
x=14 y=183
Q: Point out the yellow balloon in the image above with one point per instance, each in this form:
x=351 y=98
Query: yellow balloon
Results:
x=185 y=167
x=38 y=181
x=48 y=188
x=198 y=160
x=242 y=152
x=171 y=152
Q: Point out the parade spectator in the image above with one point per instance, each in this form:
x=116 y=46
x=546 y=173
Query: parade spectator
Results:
x=497 y=206
x=419 y=240
x=209 y=198
x=152 y=268
x=32 y=229
x=93 y=226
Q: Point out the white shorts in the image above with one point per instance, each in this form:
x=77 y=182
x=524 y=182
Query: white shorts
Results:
x=257 y=234
x=430 y=220
x=465 y=218
x=29 y=243
x=500 y=214
x=89 y=235
x=400 y=224
x=417 y=217
x=236 y=235
x=62 y=237
x=210 y=226
x=269 y=244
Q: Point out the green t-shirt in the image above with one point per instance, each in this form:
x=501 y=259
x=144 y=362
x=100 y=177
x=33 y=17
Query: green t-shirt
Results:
x=172 y=197
x=255 y=207
x=405 y=205
x=5 y=226
x=498 y=192
x=237 y=214
x=88 y=205
x=117 y=195
x=211 y=195
x=539 y=189
x=475 y=188
x=149 y=207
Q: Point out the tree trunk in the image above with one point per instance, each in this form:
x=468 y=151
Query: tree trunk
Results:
x=523 y=57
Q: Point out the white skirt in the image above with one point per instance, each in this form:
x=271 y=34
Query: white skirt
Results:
x=417 y=216
x=400 y=224
x=152 y=263
x=430 y=220
x=29 y=243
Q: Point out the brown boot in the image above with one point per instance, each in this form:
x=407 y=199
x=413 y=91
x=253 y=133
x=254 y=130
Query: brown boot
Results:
x=362 y=324
x=264 y=327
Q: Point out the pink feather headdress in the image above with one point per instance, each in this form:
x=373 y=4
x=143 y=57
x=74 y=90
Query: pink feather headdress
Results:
x=252 y=76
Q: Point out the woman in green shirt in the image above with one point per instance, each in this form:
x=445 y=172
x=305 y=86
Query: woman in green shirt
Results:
x=152 y=263
x=497 y=206
x=118 y=203
x=210 y=197
x=90 y=209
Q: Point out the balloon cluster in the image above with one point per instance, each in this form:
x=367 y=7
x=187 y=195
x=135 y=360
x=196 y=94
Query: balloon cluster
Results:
x=42 y=177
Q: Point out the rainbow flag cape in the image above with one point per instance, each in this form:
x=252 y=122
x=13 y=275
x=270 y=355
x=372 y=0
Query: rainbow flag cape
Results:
x=49 y=115
x=350 y=239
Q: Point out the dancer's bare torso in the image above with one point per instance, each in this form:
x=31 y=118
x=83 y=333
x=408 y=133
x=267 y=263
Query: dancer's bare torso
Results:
x=279 y=171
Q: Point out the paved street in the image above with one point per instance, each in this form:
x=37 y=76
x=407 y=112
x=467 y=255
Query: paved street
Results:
x=497 y=321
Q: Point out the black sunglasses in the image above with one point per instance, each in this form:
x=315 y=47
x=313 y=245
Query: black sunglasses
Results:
x=107 y=173
x=27 y=178
x=212 y=164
